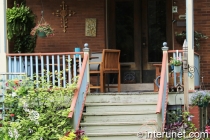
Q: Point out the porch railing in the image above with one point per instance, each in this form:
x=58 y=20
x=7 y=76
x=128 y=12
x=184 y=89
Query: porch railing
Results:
x=79 y=97
x=37 y=64
x=163 y=90
x=193 y=72
x=70 y=64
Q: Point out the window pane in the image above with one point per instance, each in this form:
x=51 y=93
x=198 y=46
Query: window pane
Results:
x=156 y=28
x=125 y=30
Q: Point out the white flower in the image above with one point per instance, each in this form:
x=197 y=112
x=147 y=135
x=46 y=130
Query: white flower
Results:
x=14 y=94
x=14 y=134
x=25 y=107
x=30 y=130
x=10 y=134
x=33 y=115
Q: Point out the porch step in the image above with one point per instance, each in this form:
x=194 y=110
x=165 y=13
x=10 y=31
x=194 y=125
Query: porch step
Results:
x=114 y=136
x=123 y=97
x=119 y=116
x=117 y=113
x=134 y=87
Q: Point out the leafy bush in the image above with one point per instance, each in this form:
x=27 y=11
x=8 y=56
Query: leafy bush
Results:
x=75 y=135
x=182 y=124
x=197 y=38
x=36 y=110
x=20 y=21
x=200 y=98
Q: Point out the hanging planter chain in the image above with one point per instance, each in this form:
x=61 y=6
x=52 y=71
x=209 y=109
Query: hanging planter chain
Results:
x=42 y=20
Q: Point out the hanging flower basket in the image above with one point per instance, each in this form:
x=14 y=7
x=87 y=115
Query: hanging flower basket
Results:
x=41 y=34
x=205 y=104
x=200 y=104
x=177 y=69
x=42 y=29
x=180 y=39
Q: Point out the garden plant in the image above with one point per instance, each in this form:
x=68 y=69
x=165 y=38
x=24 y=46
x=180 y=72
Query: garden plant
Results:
x=36 y=110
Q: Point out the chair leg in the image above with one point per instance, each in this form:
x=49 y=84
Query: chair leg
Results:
x=101 y=82
x=104 y=82
x=119 y=82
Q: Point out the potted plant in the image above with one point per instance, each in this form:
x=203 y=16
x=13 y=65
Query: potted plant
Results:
x=42 y=30
x=180 y=37
x=200 y=99
x=176 y=64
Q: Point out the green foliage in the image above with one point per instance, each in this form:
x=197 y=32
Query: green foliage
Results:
x=78 y=135
x=20 y=21
x=36 y=109
x=43 y=27
x=200 y=98
x=175 y=61
x=197 y=37
x=25 y=43
x=182 y=124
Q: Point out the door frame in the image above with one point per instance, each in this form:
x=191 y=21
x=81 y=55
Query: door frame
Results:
x=137 y=64
x=140 y=34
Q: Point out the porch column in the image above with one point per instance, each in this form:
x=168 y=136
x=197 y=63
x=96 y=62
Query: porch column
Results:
x=3 y=36
x=190 y=38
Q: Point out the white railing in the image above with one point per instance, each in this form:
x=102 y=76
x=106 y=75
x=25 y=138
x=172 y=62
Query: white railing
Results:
x=37 y=64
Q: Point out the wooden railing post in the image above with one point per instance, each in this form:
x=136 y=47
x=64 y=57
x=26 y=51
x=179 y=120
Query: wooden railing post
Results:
x=185 y=71
x=86 y=51
x=165 y=50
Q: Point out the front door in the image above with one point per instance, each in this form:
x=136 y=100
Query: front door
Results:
x=138 y=28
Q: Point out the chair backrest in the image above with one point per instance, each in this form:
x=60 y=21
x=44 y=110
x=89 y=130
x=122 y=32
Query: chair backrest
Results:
x=98 y=58
x=111 y=59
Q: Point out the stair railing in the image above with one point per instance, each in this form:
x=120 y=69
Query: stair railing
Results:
x=79 y=97
x=163 y=90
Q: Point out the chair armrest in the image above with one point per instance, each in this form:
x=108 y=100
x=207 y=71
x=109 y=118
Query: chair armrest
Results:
x=94 y=62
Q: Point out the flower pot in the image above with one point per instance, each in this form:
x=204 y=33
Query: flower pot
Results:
x=41 y=34
x=177 y=69
x=205 y=104
x=172 y=67
x=200 y=104
x=180 y=39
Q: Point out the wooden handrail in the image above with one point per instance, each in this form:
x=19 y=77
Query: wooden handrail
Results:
x=161 y=89
x=79 y=83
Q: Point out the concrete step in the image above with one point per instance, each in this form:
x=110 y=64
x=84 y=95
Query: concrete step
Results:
x=116 y=123
x=134 y=87
x=121 y=118
x=150 y=97
x=119 y=107
x=118 y=136
x=135 y=128
x=117 y=113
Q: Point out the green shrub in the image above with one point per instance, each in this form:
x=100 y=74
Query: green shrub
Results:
x=36 y=110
